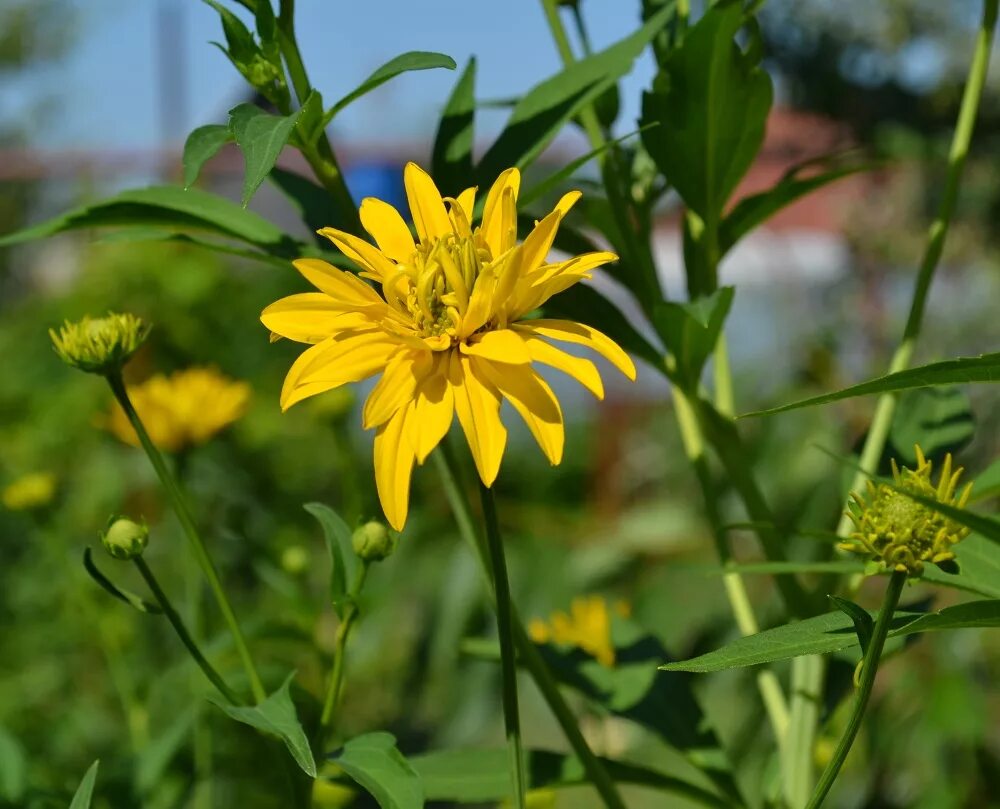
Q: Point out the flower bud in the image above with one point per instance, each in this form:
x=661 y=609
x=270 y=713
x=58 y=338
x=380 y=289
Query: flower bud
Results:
x=374 y=542
x=124 y=538
x=100 y=345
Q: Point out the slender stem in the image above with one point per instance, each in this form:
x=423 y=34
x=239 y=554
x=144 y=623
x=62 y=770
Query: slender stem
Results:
x=528 y=653
x=183 y=513
x=508 y=661
x=797 y=756
x=183 y=634
x=869 y=668
x=336 y=683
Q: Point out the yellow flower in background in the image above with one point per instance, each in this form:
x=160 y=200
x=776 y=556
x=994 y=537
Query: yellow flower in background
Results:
x=182 y=410
x=587 y=627
x=446 y=334
x=29 y=491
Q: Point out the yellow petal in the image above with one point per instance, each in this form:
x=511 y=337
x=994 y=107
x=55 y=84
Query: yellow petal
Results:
x=497 y=221
x=477 y=403
x=480 y=303
x=343 y=287
x=534 y=400
x=396 y=388
x=583 y=371
x=569 y=331
x=538 y=243
x=435 y=407
x=567 y=201
x=502 y=345
x=367 y=257
x=426 y=206
x=393 y=467
x=467 y=202
x=388 y=229
x=310 y=317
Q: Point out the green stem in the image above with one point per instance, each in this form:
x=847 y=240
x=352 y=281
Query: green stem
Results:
x=175 y=621
x=528 y=653
x=508 y=660
x=797 y=756
x=869 y=668
x=336 y=683
x=183 y=513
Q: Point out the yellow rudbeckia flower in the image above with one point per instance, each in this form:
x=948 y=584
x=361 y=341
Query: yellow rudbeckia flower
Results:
x=446 y=333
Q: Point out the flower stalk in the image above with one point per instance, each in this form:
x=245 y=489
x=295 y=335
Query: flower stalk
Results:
x=336 y=683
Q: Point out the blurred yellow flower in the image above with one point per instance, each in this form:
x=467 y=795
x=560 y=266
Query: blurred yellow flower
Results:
x=182 y=410
x=29 y=491
x=446 y=334
x=587 y=627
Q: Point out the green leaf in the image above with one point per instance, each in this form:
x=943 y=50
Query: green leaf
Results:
x=987 y=483
x=85 y=792
x=833 y=632
x=312 y=203
x=276 y=716
x=201 y=145
x=712 y=101
x=374 y=762
x=864 y=626
x=241 y=46
x=756 y=209
x=170 y=207
x=13 y=767
x=542 y=112
x=979 y=568
x=481 y=776
x=155 y=756
x=123 y=595
x=964 y=370
x=267 y=28
x=411 y=60
x=691 y=330
x=261 y=137
x=788 y=568
x=939 y=419
x=343 y=561
x=451 y=158
x=586 y=305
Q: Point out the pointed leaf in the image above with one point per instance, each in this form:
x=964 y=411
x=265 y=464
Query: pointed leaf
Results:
x=691 y=330
x=123 y=595
x=261 y=137
x=85 y=792
x=343 y=561
x=276 y=716
x=239 y=40
x=979 y=568
x=864 y=626
x=201 y=145
x=451 y=159
x=411 y=60
x=374 y=762
x=987 y=483
x=938 y=419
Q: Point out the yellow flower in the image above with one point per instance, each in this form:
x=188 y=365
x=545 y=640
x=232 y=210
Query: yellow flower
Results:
x=29 y=491
x=183 y=410
x=446 y=333
x=587 y=627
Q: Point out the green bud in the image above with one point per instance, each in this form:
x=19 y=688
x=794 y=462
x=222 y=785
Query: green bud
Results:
x=124 y=538
x=374 y=542
x=100 y=345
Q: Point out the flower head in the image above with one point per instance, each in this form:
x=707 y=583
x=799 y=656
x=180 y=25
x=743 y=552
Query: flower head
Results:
x=587 y=627
x=182 y=410
x=444 y=326
x=901 y=533
x=29 y=491
x=124 y=538
x=100 y=345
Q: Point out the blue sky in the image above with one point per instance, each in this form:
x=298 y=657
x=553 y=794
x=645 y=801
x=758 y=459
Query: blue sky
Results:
x=104 y=93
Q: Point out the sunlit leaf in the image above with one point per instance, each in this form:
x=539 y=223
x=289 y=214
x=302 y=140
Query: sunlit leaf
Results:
x=260 y=137
x=343 y=561
x=451 y=158
x=374 y=762
x=85 y=792
x=201 y=145
x=411 y=60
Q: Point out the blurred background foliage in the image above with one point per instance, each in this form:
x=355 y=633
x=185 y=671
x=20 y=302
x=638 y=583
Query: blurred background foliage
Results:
x=83 y=677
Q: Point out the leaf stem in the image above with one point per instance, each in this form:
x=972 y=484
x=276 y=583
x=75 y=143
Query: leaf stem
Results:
x=529 y=655
x=336 y=683
x=868 y=671
x=508 y=661
x=183 y=512
x=182 y=632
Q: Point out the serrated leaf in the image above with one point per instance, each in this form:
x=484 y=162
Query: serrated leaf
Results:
x=711 y=101
x=121 y=594
x=833 y=632
x=481 y=776
x=864 y=626
x=451 y=158
x=377 y=765
x=542 y=112
x=938 y=419
x=260 y=137
x=343 y=561
x=276 y=716
x=405 y=62
x=691 y=330
x=85 y=792
x=964 y=370
x=201 y=146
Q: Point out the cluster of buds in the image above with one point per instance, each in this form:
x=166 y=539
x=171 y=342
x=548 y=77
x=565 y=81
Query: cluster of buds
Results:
x=100 y=345
x=901 y=533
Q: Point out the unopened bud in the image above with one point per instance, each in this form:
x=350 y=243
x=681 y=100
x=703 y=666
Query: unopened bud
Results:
x=99 y=345
x=125 y=538
x=374 y=542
